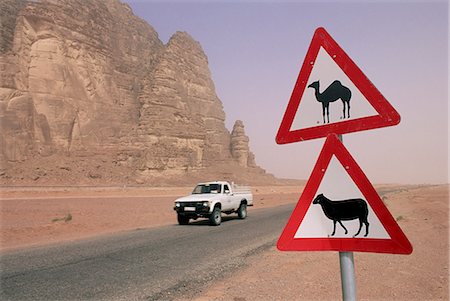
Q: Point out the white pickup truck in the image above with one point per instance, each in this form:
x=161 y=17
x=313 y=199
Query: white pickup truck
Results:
x=211 y=199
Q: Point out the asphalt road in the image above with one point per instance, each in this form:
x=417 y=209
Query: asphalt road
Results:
x=153 y=264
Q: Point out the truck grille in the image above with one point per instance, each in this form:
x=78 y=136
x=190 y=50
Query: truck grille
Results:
x=190 y=204
x=199 y=208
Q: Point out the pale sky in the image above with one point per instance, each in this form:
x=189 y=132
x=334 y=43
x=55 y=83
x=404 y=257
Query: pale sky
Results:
x=255 y=51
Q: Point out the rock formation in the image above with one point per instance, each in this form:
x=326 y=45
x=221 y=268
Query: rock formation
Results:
x=239 y=146
x=89 y=93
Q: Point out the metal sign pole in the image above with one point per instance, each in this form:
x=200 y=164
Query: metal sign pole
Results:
x=347 y=276
x=347 y=271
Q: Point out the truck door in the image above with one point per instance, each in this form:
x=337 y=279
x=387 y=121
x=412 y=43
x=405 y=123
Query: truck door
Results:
x=228 y=197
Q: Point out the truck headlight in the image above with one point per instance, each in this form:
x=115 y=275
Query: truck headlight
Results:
x=177 y=204
x=205 y=204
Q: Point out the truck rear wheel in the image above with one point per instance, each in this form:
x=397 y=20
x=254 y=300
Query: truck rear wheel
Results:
x=242 y=211
x=216 y=217
x=182 y=220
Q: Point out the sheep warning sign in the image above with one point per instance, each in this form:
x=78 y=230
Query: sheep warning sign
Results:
x=332 y=95
x=339 y=210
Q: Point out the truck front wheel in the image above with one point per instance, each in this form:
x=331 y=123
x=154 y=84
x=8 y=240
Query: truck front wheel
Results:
x=242 y=211
x=216 y=217
x=182 y=220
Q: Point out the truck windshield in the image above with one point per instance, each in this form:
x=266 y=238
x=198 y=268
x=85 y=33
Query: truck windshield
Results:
x=207 y=188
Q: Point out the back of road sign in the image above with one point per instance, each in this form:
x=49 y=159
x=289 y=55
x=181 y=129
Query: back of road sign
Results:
x=332 y=95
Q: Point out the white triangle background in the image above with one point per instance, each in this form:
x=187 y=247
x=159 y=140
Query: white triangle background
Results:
x=337 y=185
x=309 y=112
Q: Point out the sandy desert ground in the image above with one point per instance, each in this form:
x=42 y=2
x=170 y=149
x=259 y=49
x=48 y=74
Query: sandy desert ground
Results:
x=36 y=216
x=40 y=216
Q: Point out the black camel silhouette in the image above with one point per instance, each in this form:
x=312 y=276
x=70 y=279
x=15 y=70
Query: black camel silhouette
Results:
x=344 y=210
x=334 y=91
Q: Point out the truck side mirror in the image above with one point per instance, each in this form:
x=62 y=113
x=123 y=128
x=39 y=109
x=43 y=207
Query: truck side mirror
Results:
x=227 y=191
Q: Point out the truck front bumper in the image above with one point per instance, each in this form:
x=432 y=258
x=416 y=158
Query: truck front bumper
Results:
x=192 y=209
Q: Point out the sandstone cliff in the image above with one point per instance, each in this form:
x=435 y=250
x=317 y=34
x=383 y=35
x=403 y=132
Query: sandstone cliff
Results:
x=89 y=94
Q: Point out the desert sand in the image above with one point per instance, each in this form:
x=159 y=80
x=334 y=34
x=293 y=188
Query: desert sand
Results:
x=38 y=216
x=33 y=217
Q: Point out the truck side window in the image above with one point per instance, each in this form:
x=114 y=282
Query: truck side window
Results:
x=226 y=189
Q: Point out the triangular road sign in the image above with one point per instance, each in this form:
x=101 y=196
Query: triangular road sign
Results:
x=339 y=210
x=332 y=95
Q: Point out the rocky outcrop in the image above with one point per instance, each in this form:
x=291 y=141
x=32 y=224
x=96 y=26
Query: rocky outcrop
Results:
x=181 y=118
x=80 y=67
x=239 y=147
x=86 y=80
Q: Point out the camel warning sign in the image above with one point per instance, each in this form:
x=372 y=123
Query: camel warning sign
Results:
x=339 y=210
x=332 y=95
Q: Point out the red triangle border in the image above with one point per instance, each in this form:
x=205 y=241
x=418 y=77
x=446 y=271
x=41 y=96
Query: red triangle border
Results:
x=388 y=116
x=398 y=242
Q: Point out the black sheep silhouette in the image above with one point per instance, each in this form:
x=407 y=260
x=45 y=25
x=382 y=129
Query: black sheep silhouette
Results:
x=344 y=210
x=334 y=92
